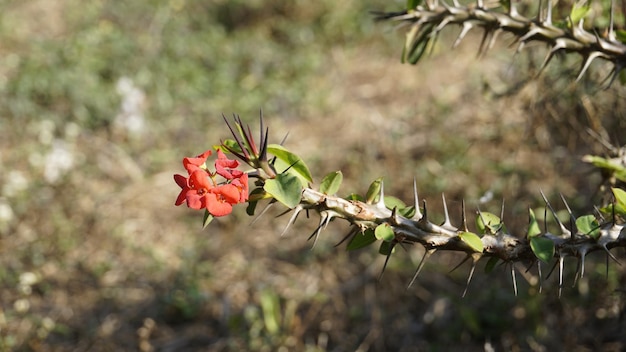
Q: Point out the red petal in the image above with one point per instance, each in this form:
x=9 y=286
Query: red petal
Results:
x=216 y=207
x=228 y=193
x=192 y=164
x=195 y=201
x=199 y=179
x=181 y=181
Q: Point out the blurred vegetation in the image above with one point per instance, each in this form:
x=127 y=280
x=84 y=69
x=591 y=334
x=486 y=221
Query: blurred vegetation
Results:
x=100 y=100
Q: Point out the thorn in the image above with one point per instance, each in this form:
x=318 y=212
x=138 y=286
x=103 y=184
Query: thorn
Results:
x=480 y=4
x=572 y=218
x=418 y=213
x=611 y=35
x=467 y=256
x=393 y=244
x=425 y=217
x=548 y=21
x=394 y=219
x=564 y=230
x=617 y=68
x=466 y=28
x=610 y=255
x=539 y=274
x=561 y=260
x=582 y=263
x=262 y=212
x=427 y=254
x=588 y=60
x=324 y=220
x=463 y=215
x=296 y=212
x=381 y=197
x=514 y=278
x=352 y=233
x=539 y=12
x=446 y=223
x=456 y=3
x=475 y=260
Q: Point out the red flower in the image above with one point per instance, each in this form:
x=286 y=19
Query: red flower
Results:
x=192 y=164
x=201 y=190
x=224 y=166
x=241 y=182
x=221 y=199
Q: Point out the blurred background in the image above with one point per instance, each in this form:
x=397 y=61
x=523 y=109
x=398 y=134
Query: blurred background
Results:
x=101 y=100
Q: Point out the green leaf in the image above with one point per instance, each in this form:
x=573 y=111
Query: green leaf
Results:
x=616 y=170
x=230 y=143
x=285 y=188
x=373 y=191
x=621 y=36
x=393 y=202
x=407 y=212
x=588 y=224
x=579 y=12
x=207 y=219
x=491 y=264
x=533 y=226
x=472 y=240
x=386 y=248
x=490 y=225
x=384 y=232
x=296 y=164
x=361 y=240
x=543 y=248
x=412 y=4
x=620 y=196
x=331 y=183
x=354 y=196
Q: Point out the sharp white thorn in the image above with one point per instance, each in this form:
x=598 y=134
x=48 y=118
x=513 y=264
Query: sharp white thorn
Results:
x=427 y=254
x=446 y=215
x=296 y=212
x=514 y=279
x=418 y=213
x=564 y=230
x=561 y=260
x=588 y=60
x=466 y=28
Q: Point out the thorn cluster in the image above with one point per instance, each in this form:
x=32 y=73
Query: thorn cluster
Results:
x=428 y=20
x=497 y=243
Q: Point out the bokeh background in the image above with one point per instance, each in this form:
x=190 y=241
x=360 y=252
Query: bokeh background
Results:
x=101 y=100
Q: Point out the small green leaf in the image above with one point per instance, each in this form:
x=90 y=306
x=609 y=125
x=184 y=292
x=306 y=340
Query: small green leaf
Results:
x=285 y=188
x=412 y=4
x=543 y=248
x=491 y=264
x=230 y=143
x=386 y=248
x=207 y=219
x=579 y=12
x=361 y=240
x=533 y=226
x=373 y=191
x=384 y=232
x=472 y=240
x=354 y=196
x=588 y=224
x=290 y=159
x=621 y=35
x=331 y=183
x=407 y=212
x=616 y=170
x=620 y=196
x=393 y=202
x=490 y=225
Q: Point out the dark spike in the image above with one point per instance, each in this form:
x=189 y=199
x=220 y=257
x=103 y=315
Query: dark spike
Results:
x=463 y=215
x=467 y=256
x=350 y=235
x=539 y=274
x=393 y=244
x=514 y=278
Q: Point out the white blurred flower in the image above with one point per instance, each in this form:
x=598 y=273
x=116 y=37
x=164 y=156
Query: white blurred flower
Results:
x=130 y=117
x=58 y=161
x=6 y=212
x=15 y=183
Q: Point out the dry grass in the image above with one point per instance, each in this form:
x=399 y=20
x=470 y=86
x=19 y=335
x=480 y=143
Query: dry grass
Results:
x=100 y=259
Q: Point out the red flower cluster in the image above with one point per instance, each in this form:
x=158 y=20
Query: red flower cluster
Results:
x=202 y=190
